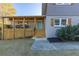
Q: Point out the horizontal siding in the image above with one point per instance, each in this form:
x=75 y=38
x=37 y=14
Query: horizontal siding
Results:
x=63 y=10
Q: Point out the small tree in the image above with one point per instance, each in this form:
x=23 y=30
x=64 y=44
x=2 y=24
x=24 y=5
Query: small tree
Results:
x=7 y=9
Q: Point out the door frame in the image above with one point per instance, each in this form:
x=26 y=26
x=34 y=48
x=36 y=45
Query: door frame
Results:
x=43 y=30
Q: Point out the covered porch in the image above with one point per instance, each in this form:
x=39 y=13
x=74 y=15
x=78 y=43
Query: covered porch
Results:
x=15 y=27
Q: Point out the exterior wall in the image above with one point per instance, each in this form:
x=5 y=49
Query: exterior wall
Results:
x=60 y=10
x=51 y=30
x=50 y=10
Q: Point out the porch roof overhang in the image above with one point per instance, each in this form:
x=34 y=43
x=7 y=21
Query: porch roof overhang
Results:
x=21 y=16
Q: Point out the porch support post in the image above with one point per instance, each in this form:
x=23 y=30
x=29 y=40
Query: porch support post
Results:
x=13 y=27
x=34 y=26
x=24 y=26
x=2 y=37
x=44 y=26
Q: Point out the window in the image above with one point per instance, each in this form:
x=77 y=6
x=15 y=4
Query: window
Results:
x=63 y=22
x=57 y=21
x=39 y=25
x=27 y=26
x=19 y=26
x=63 y=3
x=8 y=26
x=60 y=22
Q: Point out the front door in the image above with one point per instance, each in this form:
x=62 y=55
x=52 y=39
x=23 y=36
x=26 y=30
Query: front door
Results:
x=40 y=27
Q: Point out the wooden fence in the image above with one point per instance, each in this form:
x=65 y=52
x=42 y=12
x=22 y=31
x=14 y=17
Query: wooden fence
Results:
x=24 y=31
x=17 y=33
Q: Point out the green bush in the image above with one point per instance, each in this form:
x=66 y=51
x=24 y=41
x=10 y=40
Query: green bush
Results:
x=68 y=33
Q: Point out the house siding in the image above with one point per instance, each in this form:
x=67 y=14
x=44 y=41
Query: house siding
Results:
x=59 y=11
x=51 y=30
x=62 y=10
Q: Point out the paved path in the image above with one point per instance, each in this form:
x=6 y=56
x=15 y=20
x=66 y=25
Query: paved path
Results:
x=45 y=45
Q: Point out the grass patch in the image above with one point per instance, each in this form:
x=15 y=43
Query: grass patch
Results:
x=15 y=47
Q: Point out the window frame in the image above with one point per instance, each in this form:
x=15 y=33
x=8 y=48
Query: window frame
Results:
x=63 y=3
x=60 y=22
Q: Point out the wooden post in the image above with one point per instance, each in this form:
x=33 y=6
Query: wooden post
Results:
x=34 y=26
x=44 y=27
x=2 y=29
x=24 y=26
x=13 y=28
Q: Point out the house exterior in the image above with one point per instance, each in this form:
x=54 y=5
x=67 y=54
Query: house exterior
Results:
x=54 y=16
x=59 y=15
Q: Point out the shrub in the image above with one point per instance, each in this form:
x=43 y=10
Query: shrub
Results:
x=68 y=33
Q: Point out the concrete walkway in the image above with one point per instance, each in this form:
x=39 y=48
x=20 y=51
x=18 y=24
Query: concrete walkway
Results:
x=45 y=45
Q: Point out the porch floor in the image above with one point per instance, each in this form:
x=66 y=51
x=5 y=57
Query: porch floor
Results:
x=45 y=45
